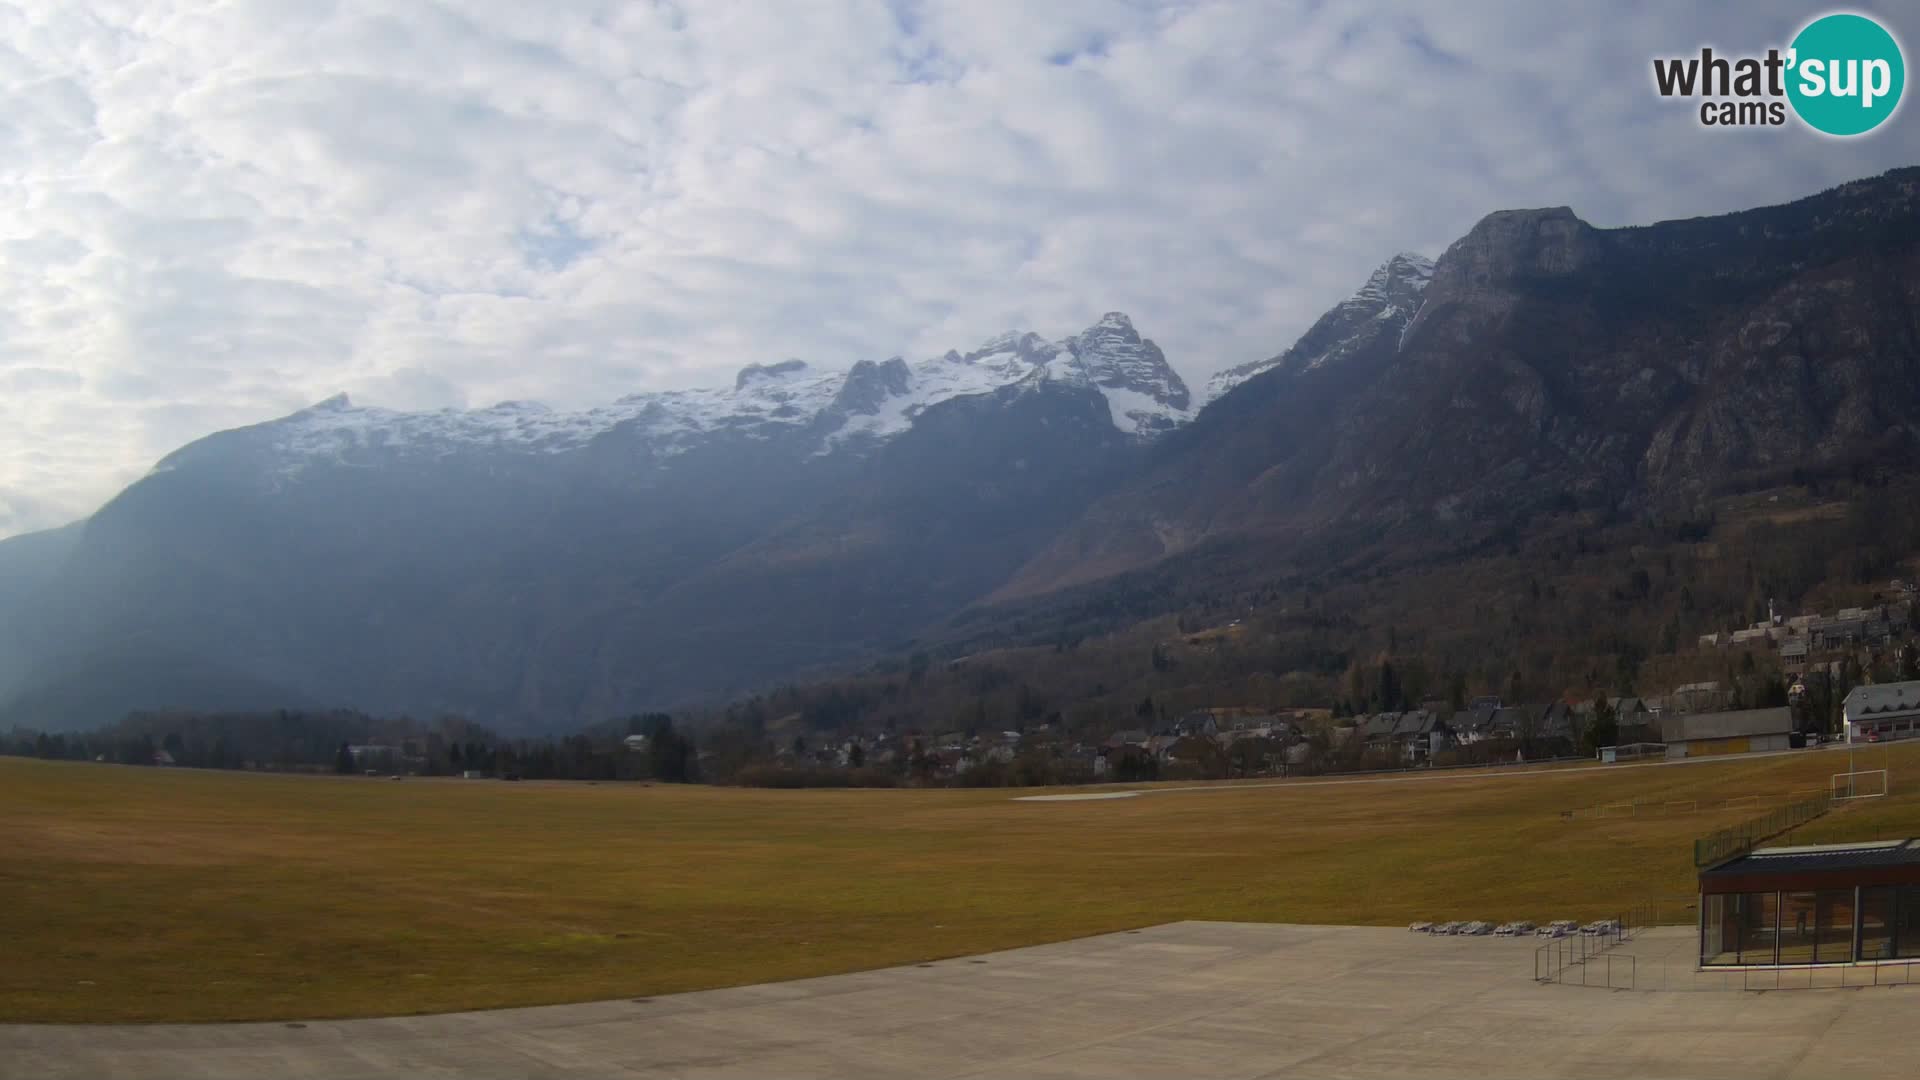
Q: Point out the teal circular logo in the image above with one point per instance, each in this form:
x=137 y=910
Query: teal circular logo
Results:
x=1846 y=74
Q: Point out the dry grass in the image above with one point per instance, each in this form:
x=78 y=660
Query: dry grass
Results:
x=142 y=894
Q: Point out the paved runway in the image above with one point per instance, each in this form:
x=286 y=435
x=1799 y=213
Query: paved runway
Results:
x=1182 y=1000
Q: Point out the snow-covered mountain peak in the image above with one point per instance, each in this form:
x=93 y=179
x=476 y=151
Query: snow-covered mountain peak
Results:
x=1145 y=393
x=1389 y=299
x=1405 y=273
x=869 y=401
x=1015 y=347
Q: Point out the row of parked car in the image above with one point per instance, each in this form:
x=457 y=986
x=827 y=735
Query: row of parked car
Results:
x=1522 y=928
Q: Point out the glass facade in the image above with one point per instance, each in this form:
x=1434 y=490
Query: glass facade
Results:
x=1833 y=912
x=1758 y=918
x=1828 y=926
x=1876 y=923
x=1718 y=943
x=1906 y=921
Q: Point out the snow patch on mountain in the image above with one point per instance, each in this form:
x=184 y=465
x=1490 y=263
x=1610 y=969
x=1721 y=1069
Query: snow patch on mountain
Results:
x=871 y=401
x=1144 y=392
x=1392 y=295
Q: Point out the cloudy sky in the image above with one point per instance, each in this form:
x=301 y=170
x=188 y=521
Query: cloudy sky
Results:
x=215 y=213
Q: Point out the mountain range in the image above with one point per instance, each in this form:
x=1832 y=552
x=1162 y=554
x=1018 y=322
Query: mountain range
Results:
x=538 y=569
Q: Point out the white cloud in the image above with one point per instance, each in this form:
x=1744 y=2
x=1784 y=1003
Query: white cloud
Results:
x=213 y=214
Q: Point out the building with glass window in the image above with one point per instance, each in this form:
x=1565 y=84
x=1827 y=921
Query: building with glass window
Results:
x=1882 y=713
x=1830 y=904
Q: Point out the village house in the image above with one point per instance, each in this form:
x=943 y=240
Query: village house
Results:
x=1882 y=713
x=1377 y=730
x=1793 y=651
x=1697 y=697
x=1197 y=722
x=1419 y=735
x=1510 y=722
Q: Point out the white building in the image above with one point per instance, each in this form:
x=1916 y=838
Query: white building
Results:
x=1881 y=713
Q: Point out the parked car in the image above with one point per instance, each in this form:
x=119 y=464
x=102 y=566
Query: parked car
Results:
x=1523 y=928
x=1447 y=928
x=1558 y=928
x=1421 y=928
x=1601 y=926
x=1505 y=929
x=1476 y=928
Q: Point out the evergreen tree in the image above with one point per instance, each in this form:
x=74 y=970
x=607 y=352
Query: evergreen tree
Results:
x=1603 y=727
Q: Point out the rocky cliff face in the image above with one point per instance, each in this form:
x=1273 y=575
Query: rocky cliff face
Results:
x=1145 y=394
x=1381 y=310
x=1633 y=369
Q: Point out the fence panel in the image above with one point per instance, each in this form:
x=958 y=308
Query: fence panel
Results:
x=1736 y=840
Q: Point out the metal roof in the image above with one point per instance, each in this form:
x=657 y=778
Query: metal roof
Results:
x=1685 y=727
x=1793 y=860
x=1898 y=697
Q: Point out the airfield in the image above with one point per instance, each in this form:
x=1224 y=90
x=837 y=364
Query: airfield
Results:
x=142 y=895
x=1180 y=1000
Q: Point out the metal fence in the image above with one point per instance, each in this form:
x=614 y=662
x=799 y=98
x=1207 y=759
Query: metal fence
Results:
x=1683 y=975
x=1664 y=962
x=1575 y=957
x=1736 y=840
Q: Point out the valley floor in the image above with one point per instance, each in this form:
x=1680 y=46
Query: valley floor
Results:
x=137 y=895
x=1179 y=1000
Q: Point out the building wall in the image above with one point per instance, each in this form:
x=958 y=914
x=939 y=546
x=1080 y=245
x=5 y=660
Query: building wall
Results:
x=1888 y=728
x=1713 y=747
x=1741 y=744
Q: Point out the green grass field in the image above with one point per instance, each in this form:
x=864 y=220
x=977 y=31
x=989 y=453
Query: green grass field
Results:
x=148 y=895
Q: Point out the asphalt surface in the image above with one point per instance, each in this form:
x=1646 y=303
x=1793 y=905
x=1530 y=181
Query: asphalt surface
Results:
x=1182 y=1000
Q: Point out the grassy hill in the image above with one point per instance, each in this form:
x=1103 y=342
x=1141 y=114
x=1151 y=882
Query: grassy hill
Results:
x=132 y=894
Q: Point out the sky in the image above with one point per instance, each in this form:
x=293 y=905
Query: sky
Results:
x=213 y=214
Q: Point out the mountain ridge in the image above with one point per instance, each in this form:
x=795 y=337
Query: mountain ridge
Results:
x=534 y=568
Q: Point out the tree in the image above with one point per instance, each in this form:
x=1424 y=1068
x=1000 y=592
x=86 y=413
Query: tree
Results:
x=1389 y=687
x=856 y=756
x=343 y=761
x=669 y=753
x=1603 y=727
